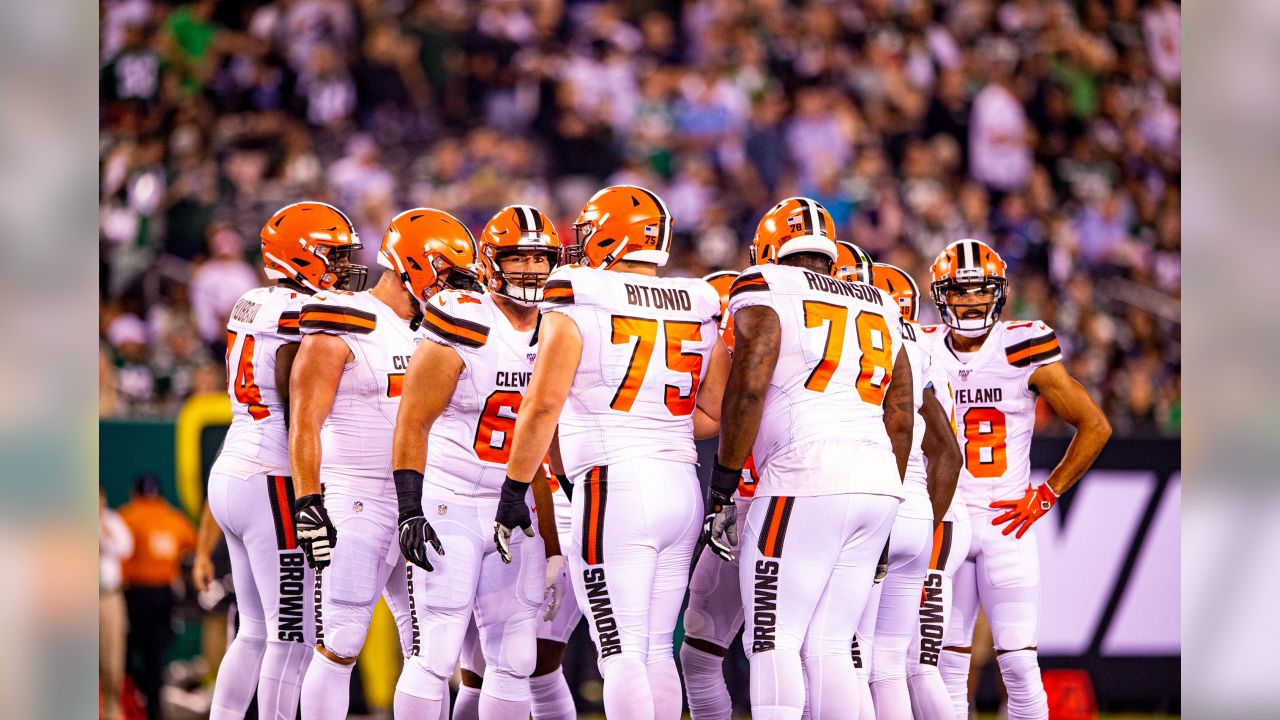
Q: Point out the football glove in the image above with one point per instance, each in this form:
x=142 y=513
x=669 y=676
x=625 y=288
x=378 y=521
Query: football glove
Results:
x=720 y=526
x=1020 y=514
x=554 y=587
x=315 y=531
x=512 y=513
x=415 y=532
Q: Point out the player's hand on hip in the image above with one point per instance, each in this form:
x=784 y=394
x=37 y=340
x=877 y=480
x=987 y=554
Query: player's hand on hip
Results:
x=1021 y=514
x=416 y=534
x=554 y=587
x=512 y=513
x=316 y=534
x=720 y=526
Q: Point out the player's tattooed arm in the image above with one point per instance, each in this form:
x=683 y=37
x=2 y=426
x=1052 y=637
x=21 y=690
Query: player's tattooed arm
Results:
x=559 y=351
x=312 y=387
x=757 y=336
x=899 y=410
x=285 y=355
x=942 y=472
x=1072 y=403
x=706 y=415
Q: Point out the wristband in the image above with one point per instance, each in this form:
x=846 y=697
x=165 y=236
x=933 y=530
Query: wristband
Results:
x=408 y=493
x=724 y=480
x=513 y=490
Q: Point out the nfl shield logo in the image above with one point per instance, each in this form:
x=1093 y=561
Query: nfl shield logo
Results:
x=357 y=506
x=531 y=356
x=442 y=510
x=964 y=374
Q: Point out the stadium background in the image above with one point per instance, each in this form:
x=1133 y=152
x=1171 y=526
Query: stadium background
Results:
x=1049 y=129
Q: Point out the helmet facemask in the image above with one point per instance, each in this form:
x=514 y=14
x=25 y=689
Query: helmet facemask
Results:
x=963 y=318
x=523 y=288
x=346 y=274
x=582 y=232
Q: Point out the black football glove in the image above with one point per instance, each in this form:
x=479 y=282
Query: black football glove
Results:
x=512 y=513
x=720 y=526
x=415 y=532
x=315 y=531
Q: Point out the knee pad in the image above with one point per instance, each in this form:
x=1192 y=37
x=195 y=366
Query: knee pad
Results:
x=1020 y=670
x=418 y=680
x=1013 y=625
x=890 y=658
x=345 y=629
x=506 y=685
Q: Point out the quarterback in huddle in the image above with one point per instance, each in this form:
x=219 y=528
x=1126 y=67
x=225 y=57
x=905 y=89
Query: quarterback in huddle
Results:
x=871 y=488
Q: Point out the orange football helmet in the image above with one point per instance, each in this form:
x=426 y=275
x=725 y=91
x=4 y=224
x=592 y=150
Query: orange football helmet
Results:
x=621 y=221
x=794 y=225
x=901 y=286
x=518 y=227
x=431 y=250
x=853 y=264
x=311 y=243
x=967 y=267
x=722 y=281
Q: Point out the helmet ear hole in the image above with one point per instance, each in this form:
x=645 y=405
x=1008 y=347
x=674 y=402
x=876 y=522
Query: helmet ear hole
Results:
x=412 y=263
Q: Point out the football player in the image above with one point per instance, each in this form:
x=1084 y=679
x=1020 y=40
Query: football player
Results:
x=714 y=613
x=462 y=394
x=631 y=366
x=821 y=385
x=306 y=248
x=345 y=392
x=932 y=471
x=998 y=370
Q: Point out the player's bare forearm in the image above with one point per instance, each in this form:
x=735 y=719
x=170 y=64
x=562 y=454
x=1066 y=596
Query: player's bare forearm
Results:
x=942 y=452
x=429 y=384
x=559 y=351
x=285 y=355
x=706 y=416
x=756 y=339
x=899 y=411
x=546 y=513
x=312 y=389
x=1073 y=404
x=208 y=534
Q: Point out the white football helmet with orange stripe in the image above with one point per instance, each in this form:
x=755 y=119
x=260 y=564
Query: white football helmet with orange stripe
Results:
x=969 y=271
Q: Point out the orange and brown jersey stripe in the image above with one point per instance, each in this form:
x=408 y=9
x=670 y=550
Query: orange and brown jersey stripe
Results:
x=748 y=282
x=453 y=329
x=288 y=324
x=1034 y=350
x=280 y=490
x=595 y=491
x=558 y=292
x=337 y=318
x=941 y=546
x=774 y=530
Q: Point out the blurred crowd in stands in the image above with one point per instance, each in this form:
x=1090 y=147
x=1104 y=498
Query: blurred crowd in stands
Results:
x=1048 y=128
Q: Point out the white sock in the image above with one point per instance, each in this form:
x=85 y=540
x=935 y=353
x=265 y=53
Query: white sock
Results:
x=664 y=686
x=281 y=682
x=405 y=705
x=1021 y=672
x=326 y=689
x=551 y=697
x=238 y=676
x=493 y=708
x=466 y=706
x=929 y=697
x=954 y=668
x=626 y=689
x=704 y=684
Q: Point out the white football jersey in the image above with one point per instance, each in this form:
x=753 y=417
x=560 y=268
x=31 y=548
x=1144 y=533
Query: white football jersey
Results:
x=470 y=442
x=646 y=342
x=995 y=408
x=356 y=438
x=838 y=343
x=262 y=320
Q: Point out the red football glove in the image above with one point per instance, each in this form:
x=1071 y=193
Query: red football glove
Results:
x=1021 y=513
